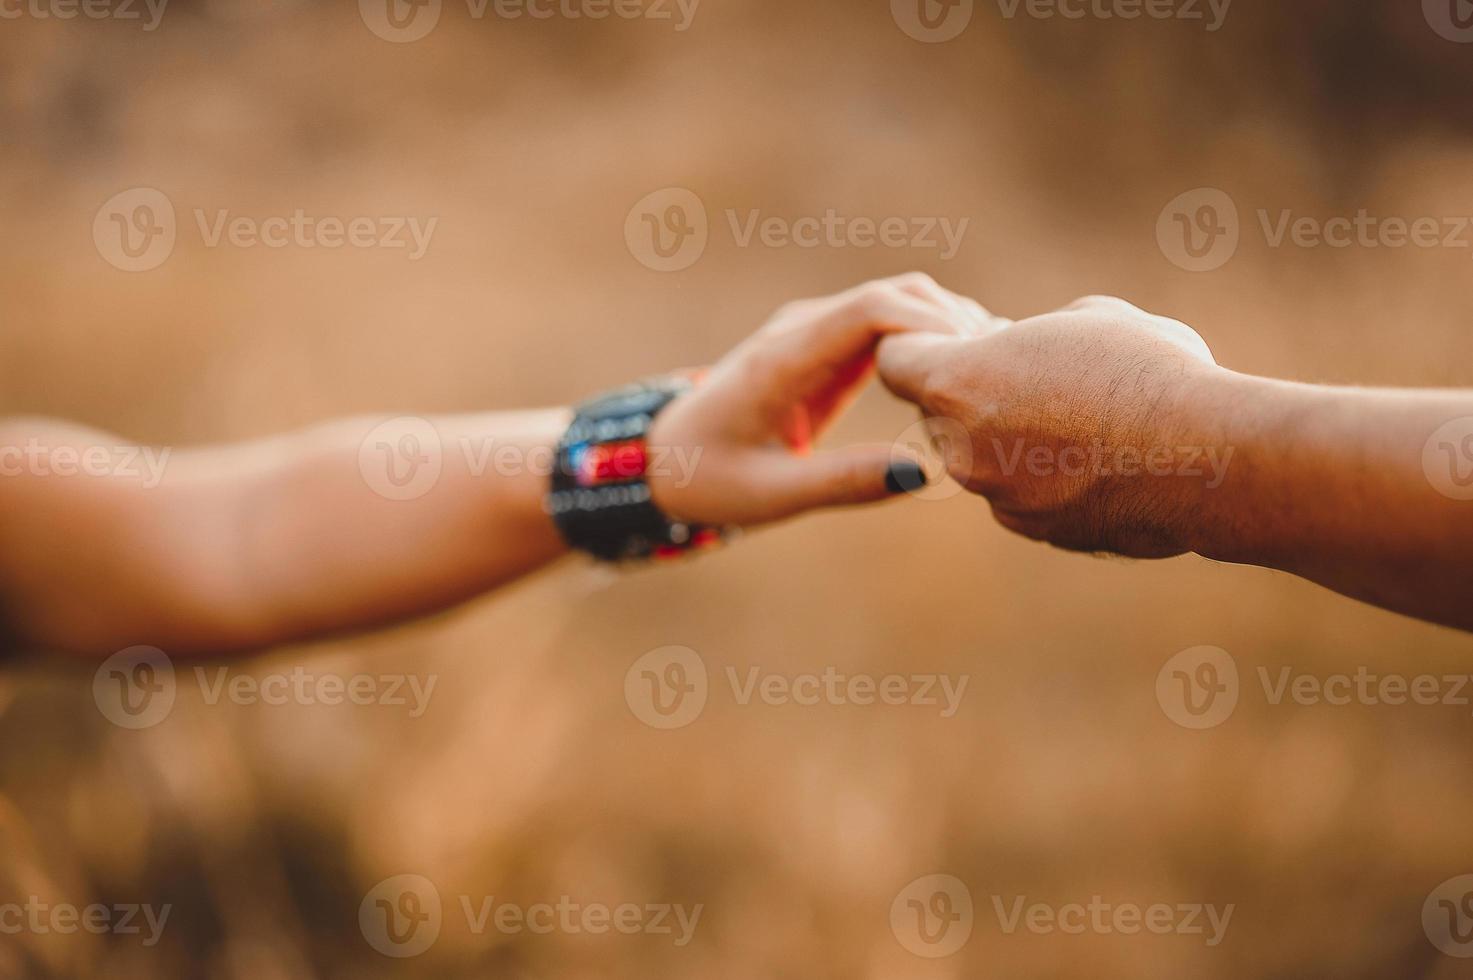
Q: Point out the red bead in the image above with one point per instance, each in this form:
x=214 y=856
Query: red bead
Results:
x=613 y=462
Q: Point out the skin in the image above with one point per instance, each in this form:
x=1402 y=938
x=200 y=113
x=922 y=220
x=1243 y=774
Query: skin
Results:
x=243 y=546
x=240 y=547
x=1325 y=482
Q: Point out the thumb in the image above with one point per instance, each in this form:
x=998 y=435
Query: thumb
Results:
x=855 y=475
x=906 y=361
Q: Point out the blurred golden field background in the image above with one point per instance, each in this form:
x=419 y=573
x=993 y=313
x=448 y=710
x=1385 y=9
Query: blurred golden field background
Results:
x=794 y=827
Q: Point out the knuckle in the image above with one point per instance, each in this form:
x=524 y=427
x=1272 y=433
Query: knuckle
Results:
x=1177 y=327
x=946 y=392
x=876 y=296
x=1101 y=302
x=845 y=481
x=765 y=359
x=914 y=278
x=792 y=309
x=855 y=479
x=778 y=323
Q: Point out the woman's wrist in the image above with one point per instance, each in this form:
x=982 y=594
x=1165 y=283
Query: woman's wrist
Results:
x=608 y=491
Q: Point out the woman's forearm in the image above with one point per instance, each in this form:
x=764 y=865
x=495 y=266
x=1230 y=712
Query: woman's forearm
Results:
x=364 y=521
x=337 y=527
x=364 y=524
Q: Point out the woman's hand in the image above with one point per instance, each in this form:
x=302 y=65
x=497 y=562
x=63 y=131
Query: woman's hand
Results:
x=745 y=435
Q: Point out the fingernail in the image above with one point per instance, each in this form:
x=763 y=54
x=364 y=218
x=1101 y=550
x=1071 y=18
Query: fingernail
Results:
x=904 y=476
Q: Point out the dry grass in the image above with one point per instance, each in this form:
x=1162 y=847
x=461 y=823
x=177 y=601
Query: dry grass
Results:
x=529 y=778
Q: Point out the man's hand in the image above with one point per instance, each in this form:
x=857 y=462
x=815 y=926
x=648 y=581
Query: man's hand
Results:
x=1081 y=422
x=746 y=433
x=1103 y=428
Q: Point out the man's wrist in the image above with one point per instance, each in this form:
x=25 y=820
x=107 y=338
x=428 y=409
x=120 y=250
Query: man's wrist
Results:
x=1245 y=427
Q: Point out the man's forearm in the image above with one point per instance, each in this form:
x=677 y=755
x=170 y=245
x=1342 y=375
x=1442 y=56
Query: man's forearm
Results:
x=1329 y=483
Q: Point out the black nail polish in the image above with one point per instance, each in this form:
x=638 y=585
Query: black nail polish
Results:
x=904 y=476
